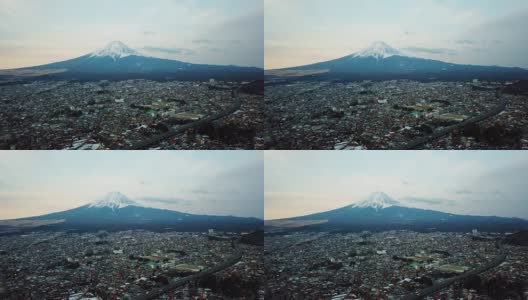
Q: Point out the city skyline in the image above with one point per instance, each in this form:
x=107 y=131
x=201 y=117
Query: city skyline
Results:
x=228 y=32
x=204 y=182
x=473 y=183
x=465 y=32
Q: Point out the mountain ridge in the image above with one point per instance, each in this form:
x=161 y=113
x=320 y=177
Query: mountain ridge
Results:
x=117 y=61
x=116 y=210
x=389 y=214
x=383 y=62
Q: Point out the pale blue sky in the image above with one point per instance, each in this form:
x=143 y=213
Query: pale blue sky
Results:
x=469 y=182
x=36 y=32
x=487 y=32
x=204 y=182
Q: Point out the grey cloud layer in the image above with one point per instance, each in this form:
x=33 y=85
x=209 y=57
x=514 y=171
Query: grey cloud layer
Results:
x=431 y=50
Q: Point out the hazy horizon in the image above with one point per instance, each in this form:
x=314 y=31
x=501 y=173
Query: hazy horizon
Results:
x=300 y=32
x=197 y=182
x=227 y=32
x=463 y=182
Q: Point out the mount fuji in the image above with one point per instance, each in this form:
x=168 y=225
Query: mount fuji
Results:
x=113 y=200
x=379 y=211
x=118 y=61
x=116 y=50
x=382 y=62
x=116 y=211
x=376 y=201
x=378 y=50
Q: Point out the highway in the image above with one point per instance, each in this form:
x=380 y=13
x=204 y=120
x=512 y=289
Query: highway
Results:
x=445 y=131
x=181 y=129
x=444 y=284
x=233 y=259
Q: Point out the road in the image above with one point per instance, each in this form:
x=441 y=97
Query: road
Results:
x=181 y=129
x=445 y=131
x=444 y=284
x=233 y=259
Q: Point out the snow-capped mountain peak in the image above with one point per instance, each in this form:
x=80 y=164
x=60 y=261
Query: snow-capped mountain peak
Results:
x=115 y=50
x=113 y=200
x=378 y=50
x=378 y=200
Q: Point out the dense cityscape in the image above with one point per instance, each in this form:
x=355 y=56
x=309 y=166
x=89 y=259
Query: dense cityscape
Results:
x=391 y=265
x=393 y=114
x=128 y=265
x=99 y=115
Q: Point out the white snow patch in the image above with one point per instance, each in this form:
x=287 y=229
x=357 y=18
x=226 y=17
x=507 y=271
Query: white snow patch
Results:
x=378 y=50
x=115 y=50
x=377 y=201
x=113 y=200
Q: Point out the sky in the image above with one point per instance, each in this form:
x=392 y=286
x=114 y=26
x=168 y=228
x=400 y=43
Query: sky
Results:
x=483 y=32
x=35 y=32
x=485 y=183
x=203 y=182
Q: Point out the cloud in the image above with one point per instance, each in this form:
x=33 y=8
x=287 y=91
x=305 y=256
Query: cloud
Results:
x=214 y=49
x=207 y=41
x=202 y=41
x=177 y=24
x=463 y=192
x=182 y=51
x=179 y=201
x=200 y=191
x=466 y=42
x=4 y=184
x=165 y=180
x=303 y=183
x=293 y=27
x=432 y=201
x=432 y=50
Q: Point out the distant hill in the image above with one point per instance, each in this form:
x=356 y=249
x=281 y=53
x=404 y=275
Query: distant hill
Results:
x=382 y=62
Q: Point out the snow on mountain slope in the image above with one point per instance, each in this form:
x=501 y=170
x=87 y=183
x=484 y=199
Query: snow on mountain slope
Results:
x=113 y=200
x=378 y=50
x=115 y=50
x=377 y=201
